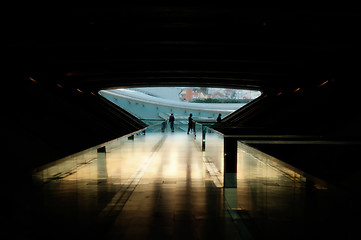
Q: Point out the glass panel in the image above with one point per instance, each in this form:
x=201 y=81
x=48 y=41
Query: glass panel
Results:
x=213 y=155
x=65 y=168
x=282 y=200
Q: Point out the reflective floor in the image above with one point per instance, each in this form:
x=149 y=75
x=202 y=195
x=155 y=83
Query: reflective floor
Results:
x=161 y=186
x=156 y=186
x=276 y=202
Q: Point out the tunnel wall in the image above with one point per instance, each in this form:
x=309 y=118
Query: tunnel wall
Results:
x=43 y=123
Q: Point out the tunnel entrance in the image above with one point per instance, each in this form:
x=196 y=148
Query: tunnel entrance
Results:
x=156 y=104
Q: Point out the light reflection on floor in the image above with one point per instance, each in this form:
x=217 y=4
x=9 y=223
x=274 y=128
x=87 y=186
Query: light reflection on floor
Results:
x=162 y=186
x=154 y=186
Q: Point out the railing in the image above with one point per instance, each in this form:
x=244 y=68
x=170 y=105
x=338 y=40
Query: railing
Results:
x=212 y=145
x=271 y=199
x=218 y=147
x=66 y=166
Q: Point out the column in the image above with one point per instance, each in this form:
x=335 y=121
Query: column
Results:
x=204 y=130
x=102 y=163
x=230 y=162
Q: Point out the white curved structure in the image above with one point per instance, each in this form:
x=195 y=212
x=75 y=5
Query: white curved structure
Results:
x=147 y=107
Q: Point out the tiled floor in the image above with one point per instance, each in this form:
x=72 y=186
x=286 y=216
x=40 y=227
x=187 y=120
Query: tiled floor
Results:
x=156 y=186
x=159 y=186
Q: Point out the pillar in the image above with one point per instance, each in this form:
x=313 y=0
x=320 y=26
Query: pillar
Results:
x=101 y=149
x=230 y=162
x=102 y=163
x=204 y=130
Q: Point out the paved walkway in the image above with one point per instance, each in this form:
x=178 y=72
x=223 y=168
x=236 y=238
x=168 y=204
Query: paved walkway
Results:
x=155 y=187
x=161 y=186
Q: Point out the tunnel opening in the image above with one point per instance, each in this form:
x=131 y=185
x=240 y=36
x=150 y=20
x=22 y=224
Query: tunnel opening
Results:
x=207 y=105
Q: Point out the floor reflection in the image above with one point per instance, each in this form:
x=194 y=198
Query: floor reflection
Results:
x=281 y=203
x=161 y=185
x=153 y=186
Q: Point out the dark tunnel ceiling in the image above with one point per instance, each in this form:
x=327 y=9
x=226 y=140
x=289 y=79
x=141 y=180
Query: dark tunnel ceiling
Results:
x=212 y=46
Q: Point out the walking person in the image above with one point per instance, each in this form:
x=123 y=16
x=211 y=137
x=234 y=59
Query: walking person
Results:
x=219 y=119
x=171 y=122
x=190 y=123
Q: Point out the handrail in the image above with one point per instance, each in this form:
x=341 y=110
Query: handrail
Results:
x=215 y=130
x=134 y=133
x=318 y=182
x=283 y=139
x=263 y=137
x=47 y=165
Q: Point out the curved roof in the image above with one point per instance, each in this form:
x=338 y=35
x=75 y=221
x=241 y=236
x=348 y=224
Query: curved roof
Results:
x=143 y=98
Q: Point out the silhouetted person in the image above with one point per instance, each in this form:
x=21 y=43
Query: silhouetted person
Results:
x=190 y=123
x=171 y=122
x=219 y=119
x=164 y=124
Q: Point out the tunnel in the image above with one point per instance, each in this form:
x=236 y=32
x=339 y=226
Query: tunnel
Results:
x=305 y=62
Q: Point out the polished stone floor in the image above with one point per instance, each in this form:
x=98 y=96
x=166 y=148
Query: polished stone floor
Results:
x=162 y=186
x=155 y=187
